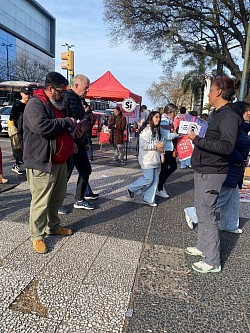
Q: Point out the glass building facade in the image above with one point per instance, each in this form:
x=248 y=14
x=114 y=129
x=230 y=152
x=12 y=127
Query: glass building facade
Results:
x=27 y=40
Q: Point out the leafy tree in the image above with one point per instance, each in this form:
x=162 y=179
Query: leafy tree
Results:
x=195 y=80
x=170 y=30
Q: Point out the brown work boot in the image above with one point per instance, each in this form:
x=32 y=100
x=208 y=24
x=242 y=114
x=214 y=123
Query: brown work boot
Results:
x=39 y=246
x=61 y=231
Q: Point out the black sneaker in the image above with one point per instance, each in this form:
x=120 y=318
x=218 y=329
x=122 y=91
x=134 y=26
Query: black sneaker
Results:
x=17 y=170
x=83 y=204
x=131 y=194
x=93 y=196
x=63 y=210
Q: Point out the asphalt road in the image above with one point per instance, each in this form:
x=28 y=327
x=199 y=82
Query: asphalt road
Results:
x=124 y=269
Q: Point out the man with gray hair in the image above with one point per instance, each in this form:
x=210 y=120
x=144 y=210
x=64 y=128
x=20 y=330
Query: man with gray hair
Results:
x=80 y=160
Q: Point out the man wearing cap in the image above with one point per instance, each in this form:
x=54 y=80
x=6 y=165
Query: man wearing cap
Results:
x=17 y=116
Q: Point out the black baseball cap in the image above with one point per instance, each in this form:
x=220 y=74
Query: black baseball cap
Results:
x=25 y=90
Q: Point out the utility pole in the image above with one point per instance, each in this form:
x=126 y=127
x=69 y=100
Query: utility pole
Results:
x=7 y=58
x=245 y=67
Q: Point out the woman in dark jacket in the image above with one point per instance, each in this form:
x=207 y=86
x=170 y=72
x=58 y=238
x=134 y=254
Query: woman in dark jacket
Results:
x=117 y=124
x=229 y=199
x=210 y=161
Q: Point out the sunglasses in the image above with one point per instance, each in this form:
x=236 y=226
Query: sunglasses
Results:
x=61 y=92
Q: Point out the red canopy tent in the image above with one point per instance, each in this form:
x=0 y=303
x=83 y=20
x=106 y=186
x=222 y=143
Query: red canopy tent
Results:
x=109 y=88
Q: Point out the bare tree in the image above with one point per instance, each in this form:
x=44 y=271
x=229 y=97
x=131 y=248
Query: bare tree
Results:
x=169 y=90
x=28 y=69
x=25 y=68
x=3 y=71
x=170 y=30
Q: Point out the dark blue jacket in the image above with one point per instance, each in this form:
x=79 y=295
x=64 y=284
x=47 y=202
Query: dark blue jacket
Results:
x=239 y=155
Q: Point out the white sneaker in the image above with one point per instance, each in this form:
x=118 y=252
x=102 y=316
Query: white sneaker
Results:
x=193 y=251
x=236 y=231
x=152 y=204
x=163 y=193
x=203 y=267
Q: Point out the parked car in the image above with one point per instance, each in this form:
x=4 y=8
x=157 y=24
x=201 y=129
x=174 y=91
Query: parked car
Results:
x=4 y=118
x=109 y=112
x=100 y=119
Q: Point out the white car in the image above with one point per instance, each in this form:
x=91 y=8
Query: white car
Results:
x=4 y=118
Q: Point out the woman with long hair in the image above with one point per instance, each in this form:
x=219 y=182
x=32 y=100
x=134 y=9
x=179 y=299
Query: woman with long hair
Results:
x=150 y=149
x=117 y=124
x=210 y=161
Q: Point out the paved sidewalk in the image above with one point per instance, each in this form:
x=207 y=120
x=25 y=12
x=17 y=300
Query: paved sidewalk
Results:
x=124 y=269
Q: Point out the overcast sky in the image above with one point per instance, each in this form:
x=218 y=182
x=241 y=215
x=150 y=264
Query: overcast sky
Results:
x=80 y=22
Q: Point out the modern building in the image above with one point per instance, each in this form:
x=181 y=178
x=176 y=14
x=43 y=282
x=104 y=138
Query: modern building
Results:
x=27 y=41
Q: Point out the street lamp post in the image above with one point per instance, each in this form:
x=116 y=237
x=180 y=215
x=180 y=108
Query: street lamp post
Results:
x=7 y=58
x=68 y=47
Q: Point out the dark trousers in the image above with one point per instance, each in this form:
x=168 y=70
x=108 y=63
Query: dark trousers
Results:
x=167 y=168
x=80 y=161
x=18 y=156
x=90 y=150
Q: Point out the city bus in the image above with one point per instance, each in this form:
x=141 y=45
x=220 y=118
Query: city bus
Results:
x=9 y=90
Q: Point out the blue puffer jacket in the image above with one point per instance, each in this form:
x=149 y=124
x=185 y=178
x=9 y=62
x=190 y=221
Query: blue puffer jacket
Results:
x=239 y=155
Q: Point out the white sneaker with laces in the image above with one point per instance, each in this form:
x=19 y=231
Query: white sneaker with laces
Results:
x=163 y=193
x=203 y=267
x=193 y=251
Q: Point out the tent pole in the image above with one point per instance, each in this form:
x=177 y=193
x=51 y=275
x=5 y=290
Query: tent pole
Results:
x=127 y=139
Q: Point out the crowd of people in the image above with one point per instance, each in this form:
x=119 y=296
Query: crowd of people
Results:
x=218 y=159
x=54 y=131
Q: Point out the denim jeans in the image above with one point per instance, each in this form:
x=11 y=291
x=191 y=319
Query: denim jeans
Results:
x=229 y=204
x=146 y=184
x=186 y=163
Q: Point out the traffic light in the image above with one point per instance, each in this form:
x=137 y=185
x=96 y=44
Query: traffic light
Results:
x=69 y=64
